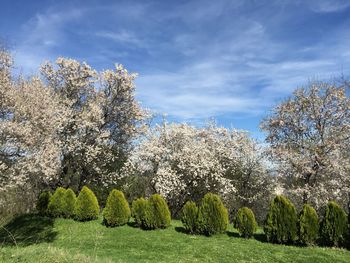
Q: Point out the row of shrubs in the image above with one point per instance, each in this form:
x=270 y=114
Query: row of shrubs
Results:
x=282 y=224
x=149 y=214
x=64 y=203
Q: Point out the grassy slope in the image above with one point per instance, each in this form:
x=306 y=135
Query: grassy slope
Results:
x=43 y=240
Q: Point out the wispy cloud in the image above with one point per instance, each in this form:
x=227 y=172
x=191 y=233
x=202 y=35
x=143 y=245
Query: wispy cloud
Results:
x=199 y=59
x=328 y=6
x=123 y=36
x=42 y=37
x=241 y=70
x=212 y=89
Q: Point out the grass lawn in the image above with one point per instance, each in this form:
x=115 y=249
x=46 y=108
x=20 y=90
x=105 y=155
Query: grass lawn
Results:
x=37 y=239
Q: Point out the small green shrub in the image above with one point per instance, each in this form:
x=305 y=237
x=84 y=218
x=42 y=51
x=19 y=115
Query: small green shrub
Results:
x=245 y=222
x=43 y=202
x=117 y=210
x=212 y=215
x=157 y=213
x=189 y=216
x=281 y=221
x=333 y=225
x=139 y=207
x=151 y=214
x=69 y=203
x=87 y=207
x=56 y=204
x=308 y=226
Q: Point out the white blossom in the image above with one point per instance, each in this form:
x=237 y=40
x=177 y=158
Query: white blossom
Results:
x=185 y=162
x=75 y=120
x=309 y=139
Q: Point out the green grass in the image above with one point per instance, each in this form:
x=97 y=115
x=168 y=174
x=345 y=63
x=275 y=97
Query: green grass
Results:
x=38 y=239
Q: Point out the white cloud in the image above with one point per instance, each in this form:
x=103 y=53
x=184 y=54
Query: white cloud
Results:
x=220 y=57
x=213 y=88
x=122 y=36
x=328 y=6
x=40 y=36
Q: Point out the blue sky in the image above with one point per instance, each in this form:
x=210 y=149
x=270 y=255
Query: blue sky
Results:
x=227 y=60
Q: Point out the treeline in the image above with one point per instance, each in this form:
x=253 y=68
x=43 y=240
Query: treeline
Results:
x=283 y=225
x=71 y=125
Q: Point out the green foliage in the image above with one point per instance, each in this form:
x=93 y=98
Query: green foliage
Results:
x=157 y=213
x=135 y=186
x=245 y=222
x=333 y=225
x=139 y=207
x=189 y=216
x=308 y=226
x=117 y=210
x=56 y=204
x=281 y=222
x=69 y=203
x=87 y=207
x=101 y=192
x=147 y=217
x=212 y=215
x=151 y=214
x=43 y=202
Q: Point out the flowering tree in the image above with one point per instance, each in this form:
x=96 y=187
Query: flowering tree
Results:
x=74 y=125
x=111 y=114
x=252 y=177
x=184 y=163
x=309 y=137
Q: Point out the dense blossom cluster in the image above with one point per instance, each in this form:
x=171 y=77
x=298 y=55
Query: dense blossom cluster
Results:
x=309 y=138
x=184 y=162
x=72 y=124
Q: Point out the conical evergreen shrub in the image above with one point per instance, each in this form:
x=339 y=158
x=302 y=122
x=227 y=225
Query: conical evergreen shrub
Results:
x=281 y=222
x=43 y=202
x=56 y=204
x=245 y=222
x=308 y=227
x=117 y=210
x=87 y=207
x=189 y=216
x=333 y=225
x=157 y=213
x=69 y=203
x=212 y=215
x=139 y=207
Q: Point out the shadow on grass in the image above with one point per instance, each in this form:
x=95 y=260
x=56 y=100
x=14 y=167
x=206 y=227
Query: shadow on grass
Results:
x=133 y=224
x=260 y=237
x=233 y=234
x=257 y=236
x=26 y=230
x=181 y=229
